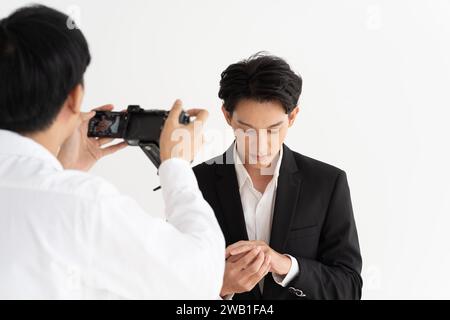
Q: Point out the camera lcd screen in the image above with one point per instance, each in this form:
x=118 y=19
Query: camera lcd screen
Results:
x=106 y=124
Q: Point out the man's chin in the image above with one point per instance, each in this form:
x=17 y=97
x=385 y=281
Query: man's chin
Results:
x=261 y=164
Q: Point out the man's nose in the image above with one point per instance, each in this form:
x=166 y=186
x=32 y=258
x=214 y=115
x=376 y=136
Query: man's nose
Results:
x=263 y=141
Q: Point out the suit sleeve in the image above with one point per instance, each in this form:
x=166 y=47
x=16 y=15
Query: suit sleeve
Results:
x=336 y=272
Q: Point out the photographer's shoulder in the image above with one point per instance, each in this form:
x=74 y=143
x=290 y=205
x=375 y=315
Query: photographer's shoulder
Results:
x=85 y=185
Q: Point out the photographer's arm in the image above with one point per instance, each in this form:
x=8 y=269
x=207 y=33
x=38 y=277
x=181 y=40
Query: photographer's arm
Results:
x=137 y=256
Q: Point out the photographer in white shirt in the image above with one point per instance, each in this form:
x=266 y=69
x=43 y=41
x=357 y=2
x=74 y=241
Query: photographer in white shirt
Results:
x=65 y=234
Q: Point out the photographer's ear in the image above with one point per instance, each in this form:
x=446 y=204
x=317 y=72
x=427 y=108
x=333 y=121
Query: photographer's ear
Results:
x=71 y=109
x=75 y=98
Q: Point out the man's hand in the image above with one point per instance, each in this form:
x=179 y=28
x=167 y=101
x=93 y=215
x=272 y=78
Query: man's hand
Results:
x=79 y=152
x=280 y=263
x=179 y=140
x=243 y=274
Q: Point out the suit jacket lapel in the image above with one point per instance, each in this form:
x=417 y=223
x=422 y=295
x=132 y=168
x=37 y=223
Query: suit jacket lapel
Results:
x=287 y=195
x=230 y=199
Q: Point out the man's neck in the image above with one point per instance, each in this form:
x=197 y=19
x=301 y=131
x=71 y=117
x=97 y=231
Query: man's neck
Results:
x=47 y=140
x=260 y=181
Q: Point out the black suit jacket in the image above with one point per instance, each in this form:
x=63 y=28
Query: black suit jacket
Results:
x=312 y=221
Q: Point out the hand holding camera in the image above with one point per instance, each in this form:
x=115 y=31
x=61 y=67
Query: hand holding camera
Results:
x=161 y=135
x=182 y=141
x=79 y=152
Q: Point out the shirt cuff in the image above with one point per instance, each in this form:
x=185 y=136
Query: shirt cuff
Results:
x=293 y=272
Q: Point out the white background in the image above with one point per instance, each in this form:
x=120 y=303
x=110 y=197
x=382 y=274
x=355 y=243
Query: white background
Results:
x=375 y=103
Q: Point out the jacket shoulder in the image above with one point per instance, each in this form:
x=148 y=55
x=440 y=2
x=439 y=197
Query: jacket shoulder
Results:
x=316 y=169
x=205 y=169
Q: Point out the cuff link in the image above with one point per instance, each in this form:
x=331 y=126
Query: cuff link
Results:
x=297 y=292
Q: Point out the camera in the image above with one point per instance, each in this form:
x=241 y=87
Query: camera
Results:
x=138 y=127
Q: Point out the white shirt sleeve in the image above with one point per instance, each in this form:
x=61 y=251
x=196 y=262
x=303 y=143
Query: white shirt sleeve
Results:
x=293 y=272
x=137 y=256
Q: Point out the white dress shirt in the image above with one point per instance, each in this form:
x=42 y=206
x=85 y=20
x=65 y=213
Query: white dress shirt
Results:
x=258 y=209
x=65 y=234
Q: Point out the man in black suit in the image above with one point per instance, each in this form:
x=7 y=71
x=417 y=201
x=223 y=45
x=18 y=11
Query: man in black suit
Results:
x=287 y=218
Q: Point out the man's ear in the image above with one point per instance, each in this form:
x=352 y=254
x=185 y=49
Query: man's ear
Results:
x=227 y=115
x=293 y=115
x=75 y=98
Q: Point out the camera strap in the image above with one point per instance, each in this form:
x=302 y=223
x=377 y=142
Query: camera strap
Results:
x=151 y=150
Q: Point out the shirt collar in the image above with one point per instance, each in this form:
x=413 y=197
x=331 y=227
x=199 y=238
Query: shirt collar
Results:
x=14 y=144
x=242 y=174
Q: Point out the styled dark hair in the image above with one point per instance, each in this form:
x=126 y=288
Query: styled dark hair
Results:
x=43 y=57
x=262 y=77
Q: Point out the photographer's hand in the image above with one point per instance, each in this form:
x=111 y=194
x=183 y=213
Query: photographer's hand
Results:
x=182 y=141
x=79 y=152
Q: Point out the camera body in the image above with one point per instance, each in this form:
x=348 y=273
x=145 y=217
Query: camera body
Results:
x=138 y=127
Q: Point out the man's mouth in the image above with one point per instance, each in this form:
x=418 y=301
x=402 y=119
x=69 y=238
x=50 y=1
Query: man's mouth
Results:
x=260 y=158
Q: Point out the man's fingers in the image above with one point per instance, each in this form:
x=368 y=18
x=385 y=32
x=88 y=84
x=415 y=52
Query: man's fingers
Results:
x=175 y=112
x=237 y=244
x=197 y=112
x=235 y=258
x=248 y=258
x=193 y=112
x=254 y=266
x=200 y=114
x=114 y=148
x=106 y=107
x=241 y=249
x=231 y=248
x=103 y=141
x=265 y=268
x=262 y=272
x=85 y=116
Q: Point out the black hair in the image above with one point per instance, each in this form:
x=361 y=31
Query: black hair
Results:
x=262 y=77
x=43 y=57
